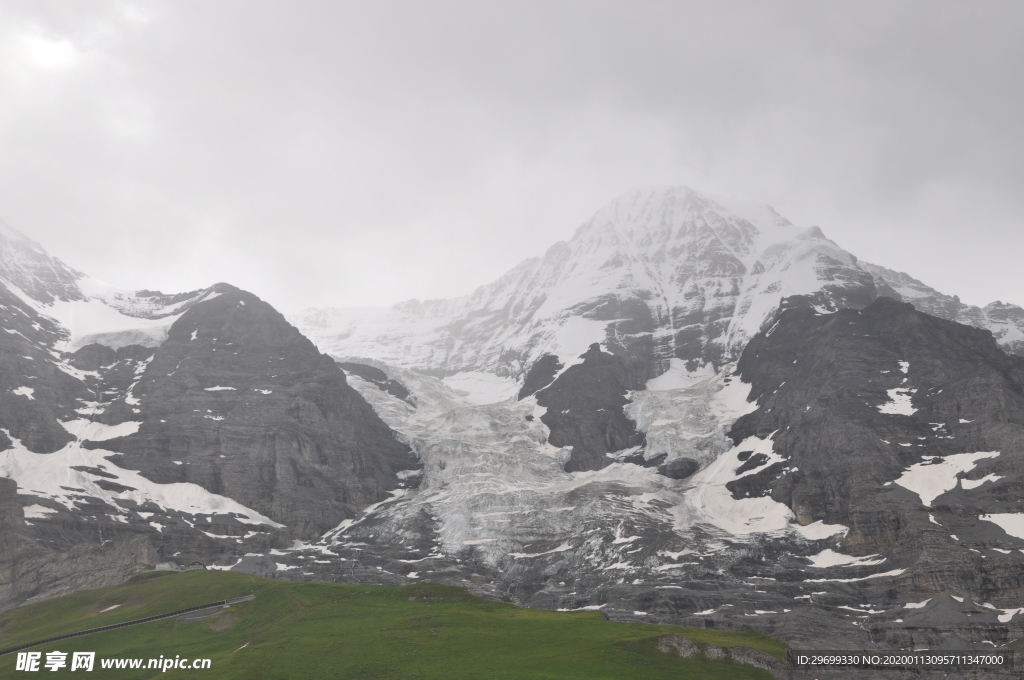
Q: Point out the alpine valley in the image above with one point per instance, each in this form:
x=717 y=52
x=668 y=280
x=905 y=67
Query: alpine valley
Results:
x=692 y=412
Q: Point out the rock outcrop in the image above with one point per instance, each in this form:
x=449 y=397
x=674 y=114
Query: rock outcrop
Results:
x=584 y=410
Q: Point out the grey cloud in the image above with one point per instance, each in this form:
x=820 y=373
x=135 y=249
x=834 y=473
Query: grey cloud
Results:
x=362 y=153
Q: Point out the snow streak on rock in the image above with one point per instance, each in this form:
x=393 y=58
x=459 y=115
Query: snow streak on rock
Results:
x=76 y=475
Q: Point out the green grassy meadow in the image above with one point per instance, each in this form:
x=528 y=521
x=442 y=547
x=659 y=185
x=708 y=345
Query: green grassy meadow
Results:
x=309 y=631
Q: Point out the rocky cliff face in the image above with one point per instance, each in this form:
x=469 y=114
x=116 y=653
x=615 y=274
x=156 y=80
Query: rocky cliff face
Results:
x=116 y=456
x=906 y=428
x=25 y=265
x=238 y=402
x=1006 y=321
x=36 y=566
x=36 y=388
x=584 y=411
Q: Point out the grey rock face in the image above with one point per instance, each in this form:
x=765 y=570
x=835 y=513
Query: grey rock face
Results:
x=584 y=411
x=240 y=403
x=542 y=372
x=34 y=390
x=1006 y=321
x=823 y=382
x=31 y=569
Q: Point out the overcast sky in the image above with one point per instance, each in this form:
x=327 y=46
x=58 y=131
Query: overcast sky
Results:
x=362 y=153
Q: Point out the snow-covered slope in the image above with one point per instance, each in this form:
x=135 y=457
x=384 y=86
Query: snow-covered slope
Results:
x=87 y=310
x=671 y=278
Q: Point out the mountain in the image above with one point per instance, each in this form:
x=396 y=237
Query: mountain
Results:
x=674 y=281
x=692 y=412
x=587 y=437
x=1004 y=320
x=218 y=427
x=873 y=475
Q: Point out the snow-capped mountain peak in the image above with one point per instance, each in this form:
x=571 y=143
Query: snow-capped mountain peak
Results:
x=658 y=275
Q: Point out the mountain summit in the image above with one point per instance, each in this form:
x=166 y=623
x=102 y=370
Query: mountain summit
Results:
x=674 y=280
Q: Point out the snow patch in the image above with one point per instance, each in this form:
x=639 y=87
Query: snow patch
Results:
x=678 y=377
x=818 y=531
x=38 y=512
x=573 y=338
x=829 y=558
x=561 y=548
x=887 y=574
x=713 y=503
x=974 y=483
x=90 y=430
x=935 y=476
x=46 y=474
x=24 y=392
x=899 y=403
x=861 y=611
x=1010 y=522
x=109 y=316
x=731 y=402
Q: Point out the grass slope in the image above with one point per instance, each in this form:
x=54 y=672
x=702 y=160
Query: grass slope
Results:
x=308 y=631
